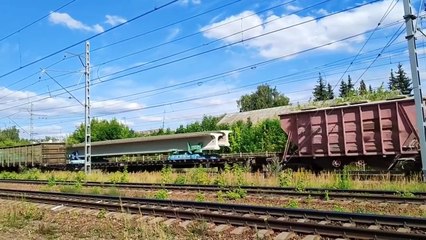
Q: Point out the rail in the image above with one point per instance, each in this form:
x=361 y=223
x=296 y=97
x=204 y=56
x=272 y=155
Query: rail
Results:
x=325 y=223
x=376 y=195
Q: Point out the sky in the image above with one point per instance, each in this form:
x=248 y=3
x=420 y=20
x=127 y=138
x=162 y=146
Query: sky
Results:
x=156 y=63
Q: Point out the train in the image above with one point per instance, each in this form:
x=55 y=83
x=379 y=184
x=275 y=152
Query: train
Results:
x=381 y=134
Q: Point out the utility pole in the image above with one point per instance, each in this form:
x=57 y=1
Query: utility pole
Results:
x=88 y=137
x=417 y=87
x=31 y=122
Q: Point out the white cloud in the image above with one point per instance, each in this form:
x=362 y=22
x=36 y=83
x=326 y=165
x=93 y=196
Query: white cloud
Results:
x=293 y=8
x=151 y=118
x=114 y=20
x=66 y=20
x=173 y=33
x=308 y=35
x=186 y=2
x=322 y=11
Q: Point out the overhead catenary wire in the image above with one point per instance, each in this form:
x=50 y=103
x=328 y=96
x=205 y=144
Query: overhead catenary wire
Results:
x=87 y=39
x=35 y=21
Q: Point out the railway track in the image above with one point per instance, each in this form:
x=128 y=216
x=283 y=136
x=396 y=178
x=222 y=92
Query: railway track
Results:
x=373 y=195
x=301 y=221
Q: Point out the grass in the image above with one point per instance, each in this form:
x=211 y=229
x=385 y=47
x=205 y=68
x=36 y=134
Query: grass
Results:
x=26 y=221
x=230 y=176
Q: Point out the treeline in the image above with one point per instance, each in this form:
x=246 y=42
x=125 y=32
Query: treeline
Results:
x=398 y=83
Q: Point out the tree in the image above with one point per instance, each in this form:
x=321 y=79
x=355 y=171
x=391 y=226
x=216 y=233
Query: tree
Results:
x=330 y=92
x=320 y=91
x=370 y=89
x=393 y=85
x=362 y=88
x=351 y=86
x=264 y=97
x=403 y=83
x=102 y=130
x=10 y=137
x=343 y=91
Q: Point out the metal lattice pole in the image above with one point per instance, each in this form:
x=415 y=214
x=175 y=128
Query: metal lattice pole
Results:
x=417 y=87
x=87 y=139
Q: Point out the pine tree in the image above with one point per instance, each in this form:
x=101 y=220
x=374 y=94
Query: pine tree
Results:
x=393 y=85
x=320 y=90
x=330 y=92
x=343 y=91
x=402 y=81
x=370 y=89
x=351 y=87
x=362 y=88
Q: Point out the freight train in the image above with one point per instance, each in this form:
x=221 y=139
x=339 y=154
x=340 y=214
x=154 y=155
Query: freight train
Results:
x=379 y=134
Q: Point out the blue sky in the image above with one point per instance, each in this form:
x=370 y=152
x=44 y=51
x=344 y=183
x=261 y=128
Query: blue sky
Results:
x=188 y=59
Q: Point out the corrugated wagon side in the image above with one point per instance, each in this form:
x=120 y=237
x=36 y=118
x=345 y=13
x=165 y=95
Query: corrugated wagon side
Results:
x=32 y=155
x=379 y=134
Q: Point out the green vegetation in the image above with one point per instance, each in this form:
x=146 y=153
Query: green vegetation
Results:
x=264 y=97
x=102 y=130
x=161 y=194
x=322 y=91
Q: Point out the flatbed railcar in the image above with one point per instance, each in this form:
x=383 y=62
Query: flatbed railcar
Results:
x=380 y=134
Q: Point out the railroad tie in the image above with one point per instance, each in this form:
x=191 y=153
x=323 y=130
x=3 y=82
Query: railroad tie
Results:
x=239 y=230
x=312 y=237
x=261 y=234
x=222 y=228
x=286 y=235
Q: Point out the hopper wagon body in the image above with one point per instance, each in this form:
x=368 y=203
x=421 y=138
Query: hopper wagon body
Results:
x=379 y=134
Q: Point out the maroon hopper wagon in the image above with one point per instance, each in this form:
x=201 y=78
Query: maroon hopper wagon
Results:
x=379 y=134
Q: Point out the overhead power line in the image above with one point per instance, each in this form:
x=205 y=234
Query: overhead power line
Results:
x=89 y=38
x=36 y=21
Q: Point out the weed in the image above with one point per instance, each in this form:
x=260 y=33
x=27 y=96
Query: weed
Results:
x=51 y=181
x=76 y=188
x=405 y=194
x=161 y=194
x=181 y=179
x=200 y=197
x=326 y=195
x=344 y=179
x=101 y=214
x=220 y=196
x=199 y=176
x=198 y=229
x=236 y=193
x=285 y=178
x=338 y=208
x=166 y=174
x=19 y=216
x=293 y=203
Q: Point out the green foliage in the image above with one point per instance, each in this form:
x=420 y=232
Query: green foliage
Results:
x=161 y=194
x=101 y=214
x=199 y=176
x=95 y=190
x=180 y=179
x=400 y=81
x=20 y=216
x=266 y=136
x=405 y=194
x=338 y=208
x=113 y=191
x=264 y=97
x=293 y=203
x=236 y=193
x=32 y=174
x=75 y=188
x=200 y=197
x=9 y=175
x=285 y=178
x=326 y=195
x=102 y=130
x=10 y=137
x=80 y=177
x=51 y=181
x=322 y=91
x=362 y=88
x=209 y=123
x=344 y=180
x=166 y=174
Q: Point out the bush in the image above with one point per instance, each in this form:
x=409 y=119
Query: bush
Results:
x=161 y=194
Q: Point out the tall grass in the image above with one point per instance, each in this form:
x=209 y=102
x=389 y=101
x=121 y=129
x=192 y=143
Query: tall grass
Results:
x=236 y=175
